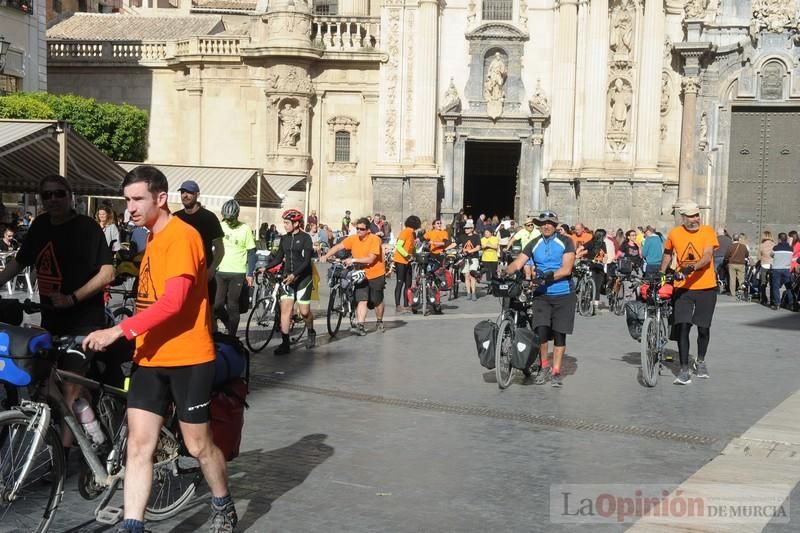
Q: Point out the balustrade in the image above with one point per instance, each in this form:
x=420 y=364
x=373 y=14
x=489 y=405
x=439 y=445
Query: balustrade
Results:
x=346 y=33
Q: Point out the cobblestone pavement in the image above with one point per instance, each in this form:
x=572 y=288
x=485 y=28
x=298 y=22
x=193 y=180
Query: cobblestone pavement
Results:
x=404 y=431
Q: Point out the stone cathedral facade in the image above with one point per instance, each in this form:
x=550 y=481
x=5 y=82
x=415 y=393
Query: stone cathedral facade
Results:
x=606 y=111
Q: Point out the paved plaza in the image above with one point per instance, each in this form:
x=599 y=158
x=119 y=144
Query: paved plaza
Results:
x=405 y=432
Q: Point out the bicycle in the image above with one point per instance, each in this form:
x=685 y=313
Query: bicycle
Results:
x=622 y=286
x=655 y=329
x=516 y=312
x=454 y=264
x=584 y=288
x=265 y=317
x=32 y=466
x=342 y=281
x=425 y=293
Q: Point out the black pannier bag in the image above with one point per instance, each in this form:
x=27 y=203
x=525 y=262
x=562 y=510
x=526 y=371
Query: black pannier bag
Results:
x=526 y=345
x=634 y=316
x=485 y=335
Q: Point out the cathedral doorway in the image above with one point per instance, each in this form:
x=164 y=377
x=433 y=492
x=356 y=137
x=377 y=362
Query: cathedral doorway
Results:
x=764 y=158
x=490 y=178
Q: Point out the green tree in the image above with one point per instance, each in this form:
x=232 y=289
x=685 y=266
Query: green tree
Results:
x=119 y=131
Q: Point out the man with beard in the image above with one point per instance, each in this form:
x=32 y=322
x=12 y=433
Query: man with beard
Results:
x=207 y=225
x=693 y=246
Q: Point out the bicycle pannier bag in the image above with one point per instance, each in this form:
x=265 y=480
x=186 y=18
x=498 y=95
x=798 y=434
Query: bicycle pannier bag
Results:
x=20 y=360
x=634 y=316
x=227 y=416
x=524 y=350
x=485 y=335
x=232 y=358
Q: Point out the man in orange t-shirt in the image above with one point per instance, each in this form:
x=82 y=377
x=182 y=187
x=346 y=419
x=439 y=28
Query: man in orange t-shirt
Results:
x=365 y=250
x=580 y=236
x=174 y=350
x=692 y=244
x=437 y=237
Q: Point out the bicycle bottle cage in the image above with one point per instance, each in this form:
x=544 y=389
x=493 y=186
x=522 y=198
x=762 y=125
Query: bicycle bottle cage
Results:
x=22 y=354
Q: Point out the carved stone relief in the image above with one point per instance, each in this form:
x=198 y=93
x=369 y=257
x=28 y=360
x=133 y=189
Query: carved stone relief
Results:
x=523 y=12
x=666 y=92
x=452 y=102
x=539 y=102
x=392 y=82
x=621 y=29
x=408 y=111
x=471 y=12
x=289 y=79
x=291 y=125
x=703 y=138
x=772 y=75
x=772 y=15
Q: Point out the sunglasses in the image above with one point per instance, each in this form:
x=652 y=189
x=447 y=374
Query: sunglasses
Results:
x=58 y=193
x=529 y=225
x=360 y=229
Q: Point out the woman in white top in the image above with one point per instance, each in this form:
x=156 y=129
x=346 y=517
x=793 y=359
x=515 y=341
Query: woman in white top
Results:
x=108 y=223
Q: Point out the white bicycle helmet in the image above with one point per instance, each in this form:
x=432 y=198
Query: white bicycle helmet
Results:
x=230 y=210
x=357 y=276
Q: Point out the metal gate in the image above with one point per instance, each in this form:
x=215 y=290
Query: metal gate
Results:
x=763 y=182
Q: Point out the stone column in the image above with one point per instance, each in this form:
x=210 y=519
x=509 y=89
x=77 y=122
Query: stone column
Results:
x=427 y=41
x=459 y=152
x=449 y=152
x=648 y=128
x=195 y=130
x=564 y=84
x=691 y=85
x=536 y=167
x=594 y=119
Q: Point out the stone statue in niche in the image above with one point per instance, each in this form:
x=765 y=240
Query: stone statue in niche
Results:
x=291 y=122
x=772 y=81
x=452 y=102
x=620 y=98
x=622 y=29
x=703 y=131
x=493 y=87
x=539 y=100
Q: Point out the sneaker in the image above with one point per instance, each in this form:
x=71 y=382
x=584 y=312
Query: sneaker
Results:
x=399 y=309
x=223 y=519
x=543 y=376
x=311 y=339
x=282 y=349
x=380 y=327
x=700 y=369
x=773 y=307
x=359 y=330
x=683 y=378
x=555 y=380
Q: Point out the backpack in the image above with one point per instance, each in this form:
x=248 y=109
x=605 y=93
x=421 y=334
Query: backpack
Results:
x=228 y=399
x=485 y=334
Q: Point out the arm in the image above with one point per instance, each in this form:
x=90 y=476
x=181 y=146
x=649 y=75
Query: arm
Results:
x=96 y=284
x=219 y=252
x=665 y=260
x=517 y=264
x=251 y=265
x=400 y=248
x=305 y=264
x=12 y=269
x=567 y=262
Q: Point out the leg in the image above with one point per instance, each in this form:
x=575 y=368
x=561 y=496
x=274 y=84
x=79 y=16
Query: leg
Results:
x=559 y=347
x=71 y=392
x=703 y=338
x=220 y=298
x=287 y=306
x=305 y=312
x=361 y=312
x=143 y=431
x=200 y=445
x=777 y=281
x=399 y=288
x=683 y=343
x=232 y=303
x=544 y=335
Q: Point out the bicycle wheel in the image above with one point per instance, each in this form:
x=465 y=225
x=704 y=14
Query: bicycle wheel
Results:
x=586 y=298
x=121 y=313
x=649 y=351
x=618 y=305
x=261 y=324
x=297 y=328
x=35 y=503
x=502 y=354
x=175 y=477
x=456 y=280
x=335 y=311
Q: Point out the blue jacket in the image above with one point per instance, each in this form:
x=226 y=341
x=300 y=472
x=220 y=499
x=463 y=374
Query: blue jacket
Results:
x=653 y=250
x=547 y=255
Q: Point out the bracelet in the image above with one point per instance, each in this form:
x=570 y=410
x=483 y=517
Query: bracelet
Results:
x=74 y=299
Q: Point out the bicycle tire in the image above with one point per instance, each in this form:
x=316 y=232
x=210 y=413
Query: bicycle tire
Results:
x=586 y=300
x=170 y=474
x=456 y=281
x=335 y=312
x=297 y=328
x=649 y=351
x=261 y=324
x=618 y=307
x=502 y=354
x=51 y=465
x=121 y=313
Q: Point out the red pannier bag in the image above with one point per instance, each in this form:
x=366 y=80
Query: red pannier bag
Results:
x=227 y=416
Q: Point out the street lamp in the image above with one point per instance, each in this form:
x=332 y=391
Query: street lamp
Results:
x=4 y=46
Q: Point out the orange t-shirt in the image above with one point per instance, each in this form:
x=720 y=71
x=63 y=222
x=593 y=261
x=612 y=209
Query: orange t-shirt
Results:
x=582 y=239
x=407 y=236
x=362 y=248
x=687 y=247
x=436 y=235
x=184 y=339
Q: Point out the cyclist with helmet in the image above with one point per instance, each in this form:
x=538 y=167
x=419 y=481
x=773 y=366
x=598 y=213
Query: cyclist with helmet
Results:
x=295 y=252
x=553 y=256
x=236 y=266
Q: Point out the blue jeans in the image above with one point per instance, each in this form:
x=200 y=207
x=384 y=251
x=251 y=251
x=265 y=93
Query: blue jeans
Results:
x=782 y=278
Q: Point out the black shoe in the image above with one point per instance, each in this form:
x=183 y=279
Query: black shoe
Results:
x=223 y=519
x=282 y=349
x=311 y=339
x=773 y=307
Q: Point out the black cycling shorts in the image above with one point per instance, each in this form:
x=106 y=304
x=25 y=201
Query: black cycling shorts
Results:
x=556 y=312
x=694 y=306
x=153 y=388
x=371 y=291
x=299 y=291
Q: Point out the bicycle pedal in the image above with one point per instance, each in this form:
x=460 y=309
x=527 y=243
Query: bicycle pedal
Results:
x=108 y=515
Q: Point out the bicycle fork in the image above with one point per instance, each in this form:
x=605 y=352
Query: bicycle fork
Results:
x=39 y=422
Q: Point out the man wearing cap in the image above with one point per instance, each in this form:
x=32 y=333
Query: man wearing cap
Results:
x=553 y=303
x=525 y=236
x=692 y=244
x=207 y=225
x=471 y=245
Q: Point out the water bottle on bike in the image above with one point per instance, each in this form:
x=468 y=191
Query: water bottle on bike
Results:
x=85 y=415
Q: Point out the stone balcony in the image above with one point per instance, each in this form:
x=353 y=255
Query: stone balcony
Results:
x=340 y=38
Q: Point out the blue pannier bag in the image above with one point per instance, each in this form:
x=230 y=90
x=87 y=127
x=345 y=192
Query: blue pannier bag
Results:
x=21 y=357
x=232 y=359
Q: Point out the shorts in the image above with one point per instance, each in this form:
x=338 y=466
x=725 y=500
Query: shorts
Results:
x=470 y=265
x=694 y=306
x=299 y=291
x=371 y=291
x=555 y=312
x=189 y=387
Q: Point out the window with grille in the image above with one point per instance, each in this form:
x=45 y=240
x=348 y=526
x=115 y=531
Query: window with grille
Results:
x=342 y=146
x=498 y=9
x=326 y=7
x=8 y=84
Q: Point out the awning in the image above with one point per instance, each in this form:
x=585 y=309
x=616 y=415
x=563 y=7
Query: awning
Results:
x=217 y=184
x=30 y=150
x=283 y=184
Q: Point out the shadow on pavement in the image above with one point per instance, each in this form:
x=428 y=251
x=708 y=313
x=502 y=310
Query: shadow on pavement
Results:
x=784 y=320
x=635 y=359
x=261 y=477
x=569 y=366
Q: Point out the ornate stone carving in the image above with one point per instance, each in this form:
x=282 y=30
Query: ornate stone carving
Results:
x=523 y=12
x=666 y=92
x=471 y=12
x=668 y=51
x=537 y=139
x=539 y=103
x=621 y=29
x=695 y=9
x=703 y=139
x=342 y=123
x=690 y=84
x=291 y=124
x=392 y=81
x=772 y=15
x=497 y=31
x=494 y=86
x=452 y=102
x=449 y=137
x=772 y=81
x=620 y=99
x=288 y=79
x=663 y=132
x=409 y=144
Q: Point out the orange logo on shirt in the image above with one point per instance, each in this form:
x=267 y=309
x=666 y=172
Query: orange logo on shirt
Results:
x=48 y=271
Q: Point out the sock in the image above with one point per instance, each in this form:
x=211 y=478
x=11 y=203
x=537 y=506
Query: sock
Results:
x=556 y=370
x=221 y=502
x=546 y=363
x=137 y=526
x=379 y=321
x=285 y=337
